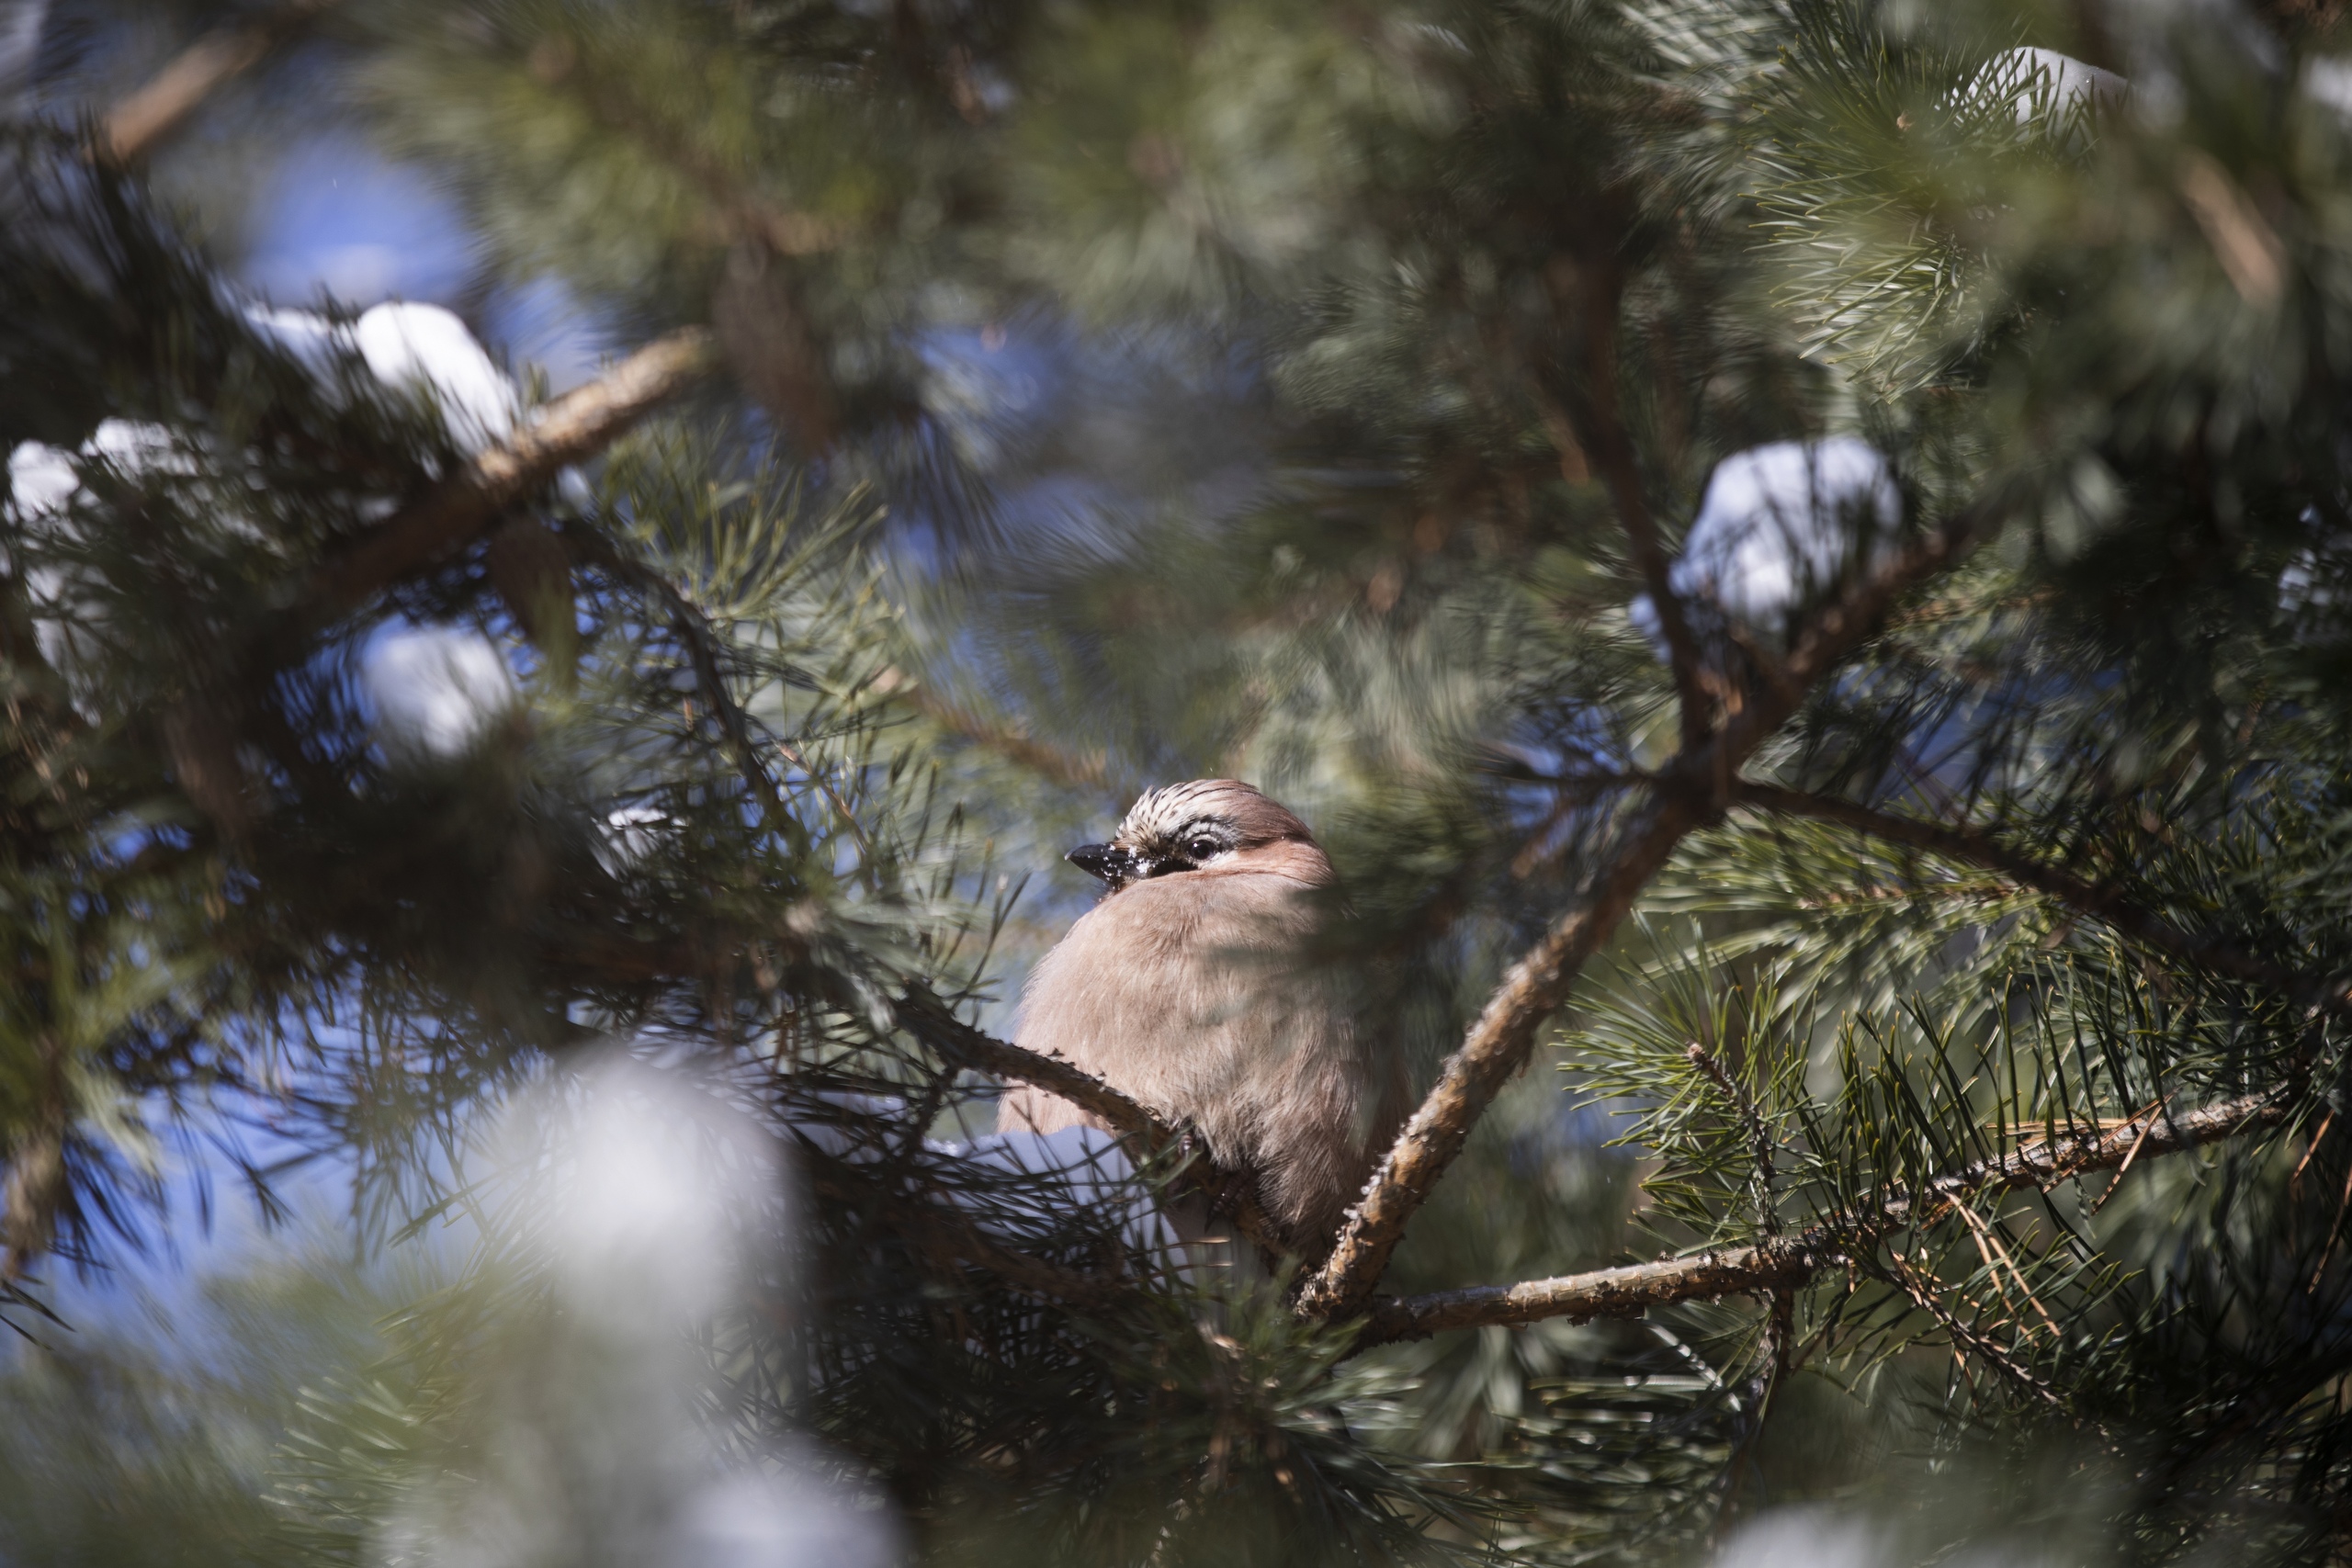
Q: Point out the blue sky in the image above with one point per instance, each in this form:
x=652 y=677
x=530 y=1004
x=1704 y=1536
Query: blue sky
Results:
x=335 y=220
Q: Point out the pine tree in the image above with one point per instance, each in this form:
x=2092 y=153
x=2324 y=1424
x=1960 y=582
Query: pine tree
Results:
x=1794 y=550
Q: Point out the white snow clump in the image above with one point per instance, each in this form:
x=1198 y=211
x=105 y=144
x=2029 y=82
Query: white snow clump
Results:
x=436 y=689
x=415 y=347
x=1804 y=1538
x=41 y=480
x=648 y=1211
x=406 y=346
x=1778 y=524
x=426 y=346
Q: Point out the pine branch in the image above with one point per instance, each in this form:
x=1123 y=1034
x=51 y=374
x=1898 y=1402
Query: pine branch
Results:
x=702 y=649
x=1767 y=1266
x=2107 y=904
x=572 y=429
x=1690 y=790
x=741 y=212
x=1751 y=1121
x=758 y=306
x=1611 y=452
x=1496 y=1049
x=141 y=123
x=1071 y=770
x=950 y=1234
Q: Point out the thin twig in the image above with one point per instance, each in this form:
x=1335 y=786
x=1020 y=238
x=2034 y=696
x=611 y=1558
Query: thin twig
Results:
x=2125 y=1168
x=702 y=648
x=2295 y=1182
x=1990 y=1249
x=139 y=122
x=1071 y=770
x=1771 y=1368
x=1759 y=1136
x=1611 y=450
x=1906 y=1279
x=1764 y=1266
x=793 y=755
x=2334 y=1233
x=1228 y=1192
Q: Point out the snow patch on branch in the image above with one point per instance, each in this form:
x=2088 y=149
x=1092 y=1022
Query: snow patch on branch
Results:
x=408 y=347
x=41 y=480
x=1779 y=524
x=425 y=346
x=435 y=690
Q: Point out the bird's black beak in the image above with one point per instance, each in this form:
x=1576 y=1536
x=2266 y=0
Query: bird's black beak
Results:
x=1108 y=862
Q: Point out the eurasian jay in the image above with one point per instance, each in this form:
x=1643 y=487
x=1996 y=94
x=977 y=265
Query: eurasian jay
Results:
x=1197 y=987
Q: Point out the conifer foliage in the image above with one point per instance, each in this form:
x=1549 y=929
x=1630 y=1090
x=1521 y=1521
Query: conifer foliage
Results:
x=1795 y=551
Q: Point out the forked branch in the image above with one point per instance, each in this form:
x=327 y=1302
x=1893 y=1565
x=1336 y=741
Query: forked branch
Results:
x=1688 y=791
x=1497 y=1048
x=1768 y=1265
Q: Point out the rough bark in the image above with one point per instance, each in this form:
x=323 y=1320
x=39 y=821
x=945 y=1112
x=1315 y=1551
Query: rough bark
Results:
x=1766 y=1266
x=1496 y=1049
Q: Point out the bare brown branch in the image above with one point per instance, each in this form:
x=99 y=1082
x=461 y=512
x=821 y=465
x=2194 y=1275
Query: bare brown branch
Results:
x=572 y=429
x=1972 y=847
x=1494 y=1051
x=141 y=123
x=1767 y=1266
x=1690 y=790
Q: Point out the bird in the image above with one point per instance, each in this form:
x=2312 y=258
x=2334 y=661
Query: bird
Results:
x=1199 y=987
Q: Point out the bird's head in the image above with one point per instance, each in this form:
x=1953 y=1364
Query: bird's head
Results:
x=1206 y=825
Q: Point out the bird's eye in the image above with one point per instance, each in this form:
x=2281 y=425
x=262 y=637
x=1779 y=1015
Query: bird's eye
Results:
x=1201 y=849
